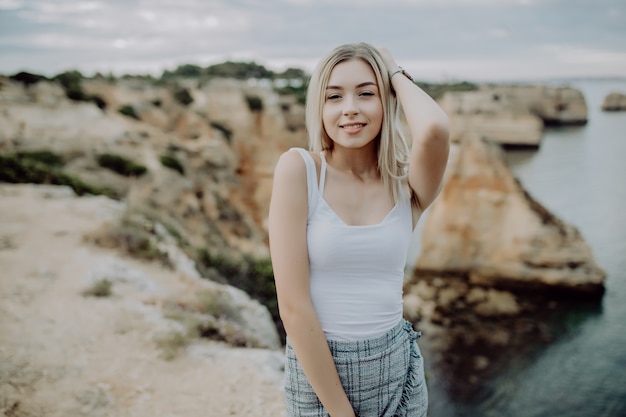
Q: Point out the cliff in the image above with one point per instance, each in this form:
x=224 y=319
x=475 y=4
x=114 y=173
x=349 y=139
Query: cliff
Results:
x=126 y=302
x=486 y=227
x=89 y=331
x=513 y=115
x=495 y=268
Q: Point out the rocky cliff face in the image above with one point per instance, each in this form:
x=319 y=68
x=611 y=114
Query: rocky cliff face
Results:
x=513 y=115
x=227 y=141
x=484 y=238
x=87 y=331
x=495 y=266
x=484 y=226
x=114 y=333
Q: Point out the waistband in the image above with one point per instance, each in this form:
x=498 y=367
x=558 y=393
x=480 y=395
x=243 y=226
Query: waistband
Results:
x=398 y=334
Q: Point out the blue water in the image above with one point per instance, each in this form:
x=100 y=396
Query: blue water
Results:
x=578 y=173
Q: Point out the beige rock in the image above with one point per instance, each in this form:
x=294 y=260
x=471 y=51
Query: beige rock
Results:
x=227 y=150
x=512 y=115
x=614 y=102
x=65 y=354
x=454 y=291
x=411 y=306
x=424 y=291
x=476 y=295
x=497 y=303
x=504 y=128
x=484 y=226
x=554 y=105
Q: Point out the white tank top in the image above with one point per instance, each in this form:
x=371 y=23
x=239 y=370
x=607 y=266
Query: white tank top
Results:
x=356 y=272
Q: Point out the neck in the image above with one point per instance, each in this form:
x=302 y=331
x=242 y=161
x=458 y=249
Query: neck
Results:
x=361 y=162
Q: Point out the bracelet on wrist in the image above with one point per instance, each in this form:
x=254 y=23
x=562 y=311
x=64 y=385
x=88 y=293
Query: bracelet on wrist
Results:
x=400 y=70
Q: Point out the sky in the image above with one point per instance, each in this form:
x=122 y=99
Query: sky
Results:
x=435 y=40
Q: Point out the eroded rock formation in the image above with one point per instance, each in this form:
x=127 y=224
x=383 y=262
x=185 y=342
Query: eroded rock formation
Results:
x=486 y=227
x=227 y=141
x=494 y=270
x=614 y=102
x=513 y=115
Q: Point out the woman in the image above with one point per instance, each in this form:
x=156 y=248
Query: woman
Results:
x=340 y=223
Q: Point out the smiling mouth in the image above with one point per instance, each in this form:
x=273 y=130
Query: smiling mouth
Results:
x=353 y=126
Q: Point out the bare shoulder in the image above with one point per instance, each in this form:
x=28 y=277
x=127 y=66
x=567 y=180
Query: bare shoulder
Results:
x=288 y=202
x=290 y=176
x=291 y=163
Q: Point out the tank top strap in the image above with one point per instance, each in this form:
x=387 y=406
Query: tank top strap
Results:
x=311 y=179
x=322 y=173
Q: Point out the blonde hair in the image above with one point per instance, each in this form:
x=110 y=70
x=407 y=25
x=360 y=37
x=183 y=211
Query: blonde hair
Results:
x=392 y=147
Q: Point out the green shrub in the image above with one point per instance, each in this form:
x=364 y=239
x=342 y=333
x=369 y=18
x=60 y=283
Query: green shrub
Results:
x=183 y=97
x=254 y=276
x=44 y=156
x=437 y=90
x=254 y=103
x=171 y=162
x=134 y=235
x=27 y=78
x=239 y=70
x=100 y=288
x=71 y=81
x=121 y=165
x=99 y=101
x=128 y=110
x=19 y=170
x=298 y=92
x=228 y=134
x=185 y=71
x=77 y=95
x=219 y=305
x=172 y=343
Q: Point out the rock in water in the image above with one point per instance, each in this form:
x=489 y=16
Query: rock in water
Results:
x=486 y=228
x=614 y=102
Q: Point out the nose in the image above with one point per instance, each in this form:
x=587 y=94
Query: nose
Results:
x=350 y=108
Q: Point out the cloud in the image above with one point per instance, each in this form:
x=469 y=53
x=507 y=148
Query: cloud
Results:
x=499 y=33
x=572 y=55
x=151 y=35
x=10 y=4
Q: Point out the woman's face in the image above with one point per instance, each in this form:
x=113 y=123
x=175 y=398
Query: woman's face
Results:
x=352 y=114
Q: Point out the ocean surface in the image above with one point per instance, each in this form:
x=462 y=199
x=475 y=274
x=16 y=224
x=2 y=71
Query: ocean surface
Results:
x=579 y=174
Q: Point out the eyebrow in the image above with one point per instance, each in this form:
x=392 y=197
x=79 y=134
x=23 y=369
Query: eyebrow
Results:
x=365 y=84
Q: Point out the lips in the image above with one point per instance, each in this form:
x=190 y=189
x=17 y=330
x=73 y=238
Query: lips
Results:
x=352 y=126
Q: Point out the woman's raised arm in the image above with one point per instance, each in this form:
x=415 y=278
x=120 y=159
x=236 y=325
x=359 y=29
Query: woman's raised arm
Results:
x=430 y=133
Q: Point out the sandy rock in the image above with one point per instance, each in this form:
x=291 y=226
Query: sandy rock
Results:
x=503 y=128
x=493 y=115
x=614 y=102
x=484 y=226
x=63 y=353
x=451 y=293
x=512 y=115
x=497 y=303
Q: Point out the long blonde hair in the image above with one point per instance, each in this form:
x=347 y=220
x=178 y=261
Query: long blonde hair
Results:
x=392 y=147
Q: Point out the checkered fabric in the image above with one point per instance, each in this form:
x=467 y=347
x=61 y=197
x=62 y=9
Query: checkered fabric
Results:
x=383 y=377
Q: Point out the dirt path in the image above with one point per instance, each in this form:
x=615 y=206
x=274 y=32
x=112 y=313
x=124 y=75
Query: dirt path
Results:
x=65 y=354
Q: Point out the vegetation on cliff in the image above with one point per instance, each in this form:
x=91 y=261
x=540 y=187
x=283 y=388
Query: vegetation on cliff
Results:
x=291 y=81
x=44 y=167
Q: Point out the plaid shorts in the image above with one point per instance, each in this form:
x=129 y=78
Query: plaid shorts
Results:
x=383 y=377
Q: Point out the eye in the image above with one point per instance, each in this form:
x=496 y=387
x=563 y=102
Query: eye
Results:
x=333 y=96
x=366 y=93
